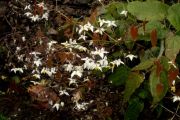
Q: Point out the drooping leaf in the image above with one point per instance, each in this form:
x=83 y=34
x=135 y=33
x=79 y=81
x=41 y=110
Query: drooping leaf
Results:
x=159 y=67
x=135 y=107
x=150 y=26
x=174 y=16
x=132 y=83
x=134 y=32
x=172 y=45
x=149 y=10
x=158 y=85
x=119 y=76
x=153 y=37
x=144 y=65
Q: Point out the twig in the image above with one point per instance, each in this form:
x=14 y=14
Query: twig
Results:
x=176 y=111
x=170 y=111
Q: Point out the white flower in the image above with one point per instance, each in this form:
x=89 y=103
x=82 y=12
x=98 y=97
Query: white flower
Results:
x=89 y=26
x=85 y=27
x=23 y=38
x=101 y=22
x=103 y=62
x=56 y=106
x=48 y=71
x=176 y=98
x=117 y=62
x=68 y=67
x=37 y=76
x=131 y=56
x=82 y=37
x=35 y=83
x=35 y=53
x=41 y=4
x=99 y=30
x=27 y=7
x=78 y=73
x=38 y=62
x=51 y=43
x=72 y=81
x=124 y=12
x=89 y=63
x=35 y=18
x=99 y=52
x=17 y=69
x=63 y=92
x=45 y=16
x=111 y=23
x=81 y=48
x=82 y=106
x=28 y=14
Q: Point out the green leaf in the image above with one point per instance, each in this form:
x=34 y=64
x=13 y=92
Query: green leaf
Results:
x=158 y=93
x=149 y=10
x=144 y=65
x=172 y=45
x=151 y=25
x=132 y=83
x=174 y=16
x=119 y=76
x=135 y=107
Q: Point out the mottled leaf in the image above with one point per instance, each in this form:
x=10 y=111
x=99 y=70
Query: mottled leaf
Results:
x=153 y=37
x=149 y=10
x=132 y=83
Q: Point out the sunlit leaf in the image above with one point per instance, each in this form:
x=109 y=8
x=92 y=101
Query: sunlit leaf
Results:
x=144 y=65
x=132 y=83
x=158 y=85
x=174 y=16
x=172 y=45
x=149 y=10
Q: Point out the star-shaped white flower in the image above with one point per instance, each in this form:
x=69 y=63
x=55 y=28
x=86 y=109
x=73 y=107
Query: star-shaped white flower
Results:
x=17 y=69
x=111 y=23
x=38 y=62
x=117 y=62
x=63 y=92
x=99 y=52
x=100 y=30
x=124 y=12
x=131 y=56
x=56 y=106
x=176 y=98
x=72 y=81
x=101 y=22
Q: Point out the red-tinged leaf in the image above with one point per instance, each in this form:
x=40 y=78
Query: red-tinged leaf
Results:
x=159 y=88
x=153 y=37
x=134 y=32
x=159 y=68
x=172 y=74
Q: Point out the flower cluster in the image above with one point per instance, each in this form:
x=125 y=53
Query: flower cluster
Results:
x=37 y=12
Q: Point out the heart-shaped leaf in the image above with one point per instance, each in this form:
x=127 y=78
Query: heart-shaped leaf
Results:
x=149 y=10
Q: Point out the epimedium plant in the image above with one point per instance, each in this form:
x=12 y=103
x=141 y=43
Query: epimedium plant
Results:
x=133 y=44
x=149 y=29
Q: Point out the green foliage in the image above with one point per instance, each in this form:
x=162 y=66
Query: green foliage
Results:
x=144 y=65
x=172 y=44
x=135 y=107
x=174 y=16
x=133 y=82
x=149 y=10
x=119 y=76
x=158 y=85
x=2 y=117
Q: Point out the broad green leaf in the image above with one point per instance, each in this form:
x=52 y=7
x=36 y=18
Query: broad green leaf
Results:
x=119 y=76
x=149 y=10
x=174 y=16
x=132 y=83
x=172 y=45
x=135 y=107
x=151 y=25
x=158 y=92
x=144 y=65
